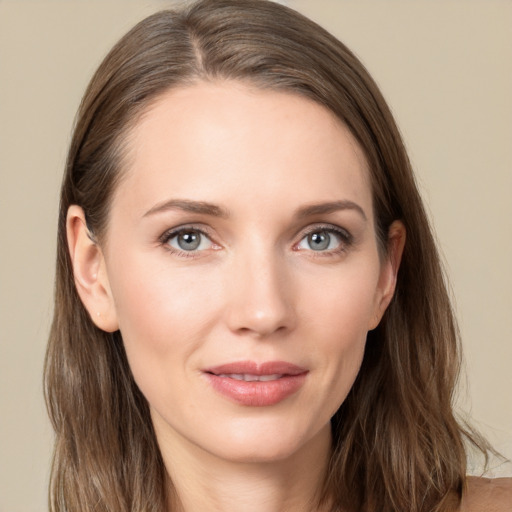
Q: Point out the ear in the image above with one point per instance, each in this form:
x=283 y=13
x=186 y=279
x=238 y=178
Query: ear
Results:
x=389 y=271
x=89 y=270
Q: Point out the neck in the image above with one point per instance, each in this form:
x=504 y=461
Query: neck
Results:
x=202 y=481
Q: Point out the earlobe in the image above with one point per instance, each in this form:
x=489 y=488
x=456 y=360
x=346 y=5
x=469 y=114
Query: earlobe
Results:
x=389 y=270
x=89 y=270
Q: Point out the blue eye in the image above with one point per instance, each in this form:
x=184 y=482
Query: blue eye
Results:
x=325 y=239
x=189 y=240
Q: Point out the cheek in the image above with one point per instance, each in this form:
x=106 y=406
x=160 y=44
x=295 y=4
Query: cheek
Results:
x=339 y=317
x=160 y=332
x=163 y=318
x=343 y=303
x=156 y=306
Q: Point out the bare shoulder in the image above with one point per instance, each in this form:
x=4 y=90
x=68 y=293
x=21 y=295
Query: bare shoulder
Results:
x=487 y=495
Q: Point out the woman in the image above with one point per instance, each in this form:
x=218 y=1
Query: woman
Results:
x=250 y=310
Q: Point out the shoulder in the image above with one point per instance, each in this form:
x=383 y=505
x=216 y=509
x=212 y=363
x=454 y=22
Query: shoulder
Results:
x=487 y=495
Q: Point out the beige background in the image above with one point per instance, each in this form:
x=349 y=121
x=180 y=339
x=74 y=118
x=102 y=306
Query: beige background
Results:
x=446 y=69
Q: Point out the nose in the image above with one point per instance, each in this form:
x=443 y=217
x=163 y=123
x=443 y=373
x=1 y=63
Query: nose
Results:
x=260 y=295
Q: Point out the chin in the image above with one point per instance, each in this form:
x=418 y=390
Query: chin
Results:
x=278 y=452
x=260 y=452
x=263 y=443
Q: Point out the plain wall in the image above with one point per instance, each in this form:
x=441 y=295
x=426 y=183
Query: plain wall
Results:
x=445 y=68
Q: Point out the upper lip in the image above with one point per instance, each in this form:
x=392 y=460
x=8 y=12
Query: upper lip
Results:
x=254 y=368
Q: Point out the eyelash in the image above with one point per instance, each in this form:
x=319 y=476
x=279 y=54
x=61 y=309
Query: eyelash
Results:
x=175 y=232
x=346 y=240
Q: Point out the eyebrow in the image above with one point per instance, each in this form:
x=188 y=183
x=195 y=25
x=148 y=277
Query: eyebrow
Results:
x=205 y=208
x=187 y=205
x=330 y=207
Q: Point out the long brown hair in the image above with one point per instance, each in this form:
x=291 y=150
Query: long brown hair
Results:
x=397 y=445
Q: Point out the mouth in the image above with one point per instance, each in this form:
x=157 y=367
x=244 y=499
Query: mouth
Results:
x=247 y=377
x=256 y=385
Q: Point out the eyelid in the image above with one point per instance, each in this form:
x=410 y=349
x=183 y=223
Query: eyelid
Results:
x=324 y=226
x=175 y=231
x=345 y=235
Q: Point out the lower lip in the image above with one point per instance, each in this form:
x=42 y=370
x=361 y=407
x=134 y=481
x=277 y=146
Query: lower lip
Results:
x=257 y=393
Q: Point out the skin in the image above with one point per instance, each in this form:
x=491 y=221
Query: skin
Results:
x=257 y=288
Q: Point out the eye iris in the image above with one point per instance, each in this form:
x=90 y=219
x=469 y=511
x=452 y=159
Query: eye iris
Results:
x=319 y=241
x=189 y=241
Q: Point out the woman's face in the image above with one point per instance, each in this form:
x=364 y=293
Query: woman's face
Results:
x=243 y=268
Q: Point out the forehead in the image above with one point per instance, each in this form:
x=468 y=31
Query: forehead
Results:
x=208 y=137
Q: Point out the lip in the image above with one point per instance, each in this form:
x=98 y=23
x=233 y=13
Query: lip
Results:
x=256 y=393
